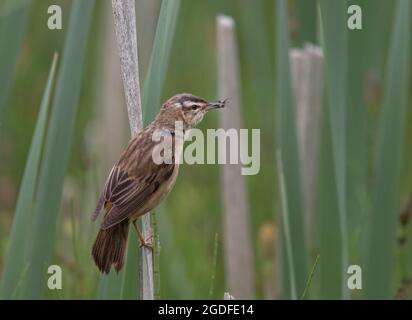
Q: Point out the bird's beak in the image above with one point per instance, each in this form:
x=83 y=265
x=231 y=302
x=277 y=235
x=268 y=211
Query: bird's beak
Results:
x=216 y=105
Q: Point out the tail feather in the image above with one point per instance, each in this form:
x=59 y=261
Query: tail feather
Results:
x=110 y=247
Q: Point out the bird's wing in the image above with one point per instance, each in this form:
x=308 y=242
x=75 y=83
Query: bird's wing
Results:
x=131 y=183
x=129 y=194
x=102 y=199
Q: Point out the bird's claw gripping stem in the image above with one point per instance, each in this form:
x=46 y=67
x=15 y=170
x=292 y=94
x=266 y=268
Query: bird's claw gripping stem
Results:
x=148 y=243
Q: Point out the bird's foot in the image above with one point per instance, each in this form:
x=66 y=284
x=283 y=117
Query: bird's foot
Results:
x=148 y=243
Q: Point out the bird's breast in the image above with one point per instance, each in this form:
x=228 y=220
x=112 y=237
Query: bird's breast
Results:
x=159 y=195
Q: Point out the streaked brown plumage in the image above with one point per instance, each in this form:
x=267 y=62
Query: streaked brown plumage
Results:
x=136 y=184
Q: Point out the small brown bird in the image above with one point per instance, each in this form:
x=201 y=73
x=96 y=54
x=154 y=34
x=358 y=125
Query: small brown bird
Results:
x=137 y=184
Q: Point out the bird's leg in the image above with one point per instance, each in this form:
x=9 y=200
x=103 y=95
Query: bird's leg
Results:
x=143 y=243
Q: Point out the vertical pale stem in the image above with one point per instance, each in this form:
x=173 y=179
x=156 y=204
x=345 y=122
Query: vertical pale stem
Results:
x=125 y=26
x=228 y=296
x=237 y=245
x=307 y=77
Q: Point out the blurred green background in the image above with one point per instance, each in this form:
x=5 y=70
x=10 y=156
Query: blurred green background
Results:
x=373 y=182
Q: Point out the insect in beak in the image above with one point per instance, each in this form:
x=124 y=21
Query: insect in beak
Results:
x=216 y=105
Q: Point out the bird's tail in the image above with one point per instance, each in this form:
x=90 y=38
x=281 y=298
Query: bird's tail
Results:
x=110 y=247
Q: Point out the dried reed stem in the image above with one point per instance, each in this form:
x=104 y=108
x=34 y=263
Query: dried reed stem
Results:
x=125 y=26
x=239 y=269
x=307 y=77
x=228 y=296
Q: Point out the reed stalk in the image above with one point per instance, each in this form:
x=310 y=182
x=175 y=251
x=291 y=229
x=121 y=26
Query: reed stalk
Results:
x=125 y=26
x=238 y=255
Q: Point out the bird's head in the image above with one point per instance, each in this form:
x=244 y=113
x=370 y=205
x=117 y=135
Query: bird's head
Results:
x=187 y=108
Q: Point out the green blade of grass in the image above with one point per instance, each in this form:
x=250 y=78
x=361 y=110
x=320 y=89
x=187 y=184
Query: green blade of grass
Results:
x=327 y=217
x=56 y=152
x=18 y=237
x=380 y=254
x=13 y=19
x=333 y=35
x=356 y=144
x=308 y=283
x=286 y=226
x=110 y=286
x=253 y=37
x=287 y=141
x=377 y=21
x=173 y=263
x=130 y=287
x=159 y=60
x=150 y=101
x=306 y=11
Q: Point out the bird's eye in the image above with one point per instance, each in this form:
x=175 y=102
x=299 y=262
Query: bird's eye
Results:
x=195 y=107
